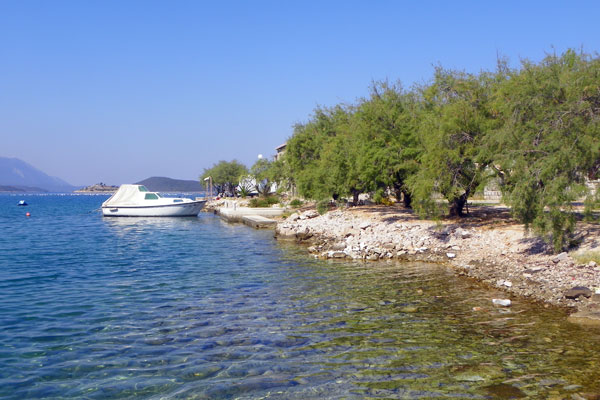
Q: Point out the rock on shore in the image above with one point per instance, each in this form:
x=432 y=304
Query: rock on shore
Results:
x=504 y=256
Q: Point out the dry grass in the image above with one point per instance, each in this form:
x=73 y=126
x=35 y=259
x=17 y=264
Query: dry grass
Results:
x=584 y=257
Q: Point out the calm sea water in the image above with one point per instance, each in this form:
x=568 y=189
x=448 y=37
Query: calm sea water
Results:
x=175 y=308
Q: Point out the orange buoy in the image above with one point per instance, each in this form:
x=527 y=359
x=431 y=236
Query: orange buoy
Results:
x=27 y=215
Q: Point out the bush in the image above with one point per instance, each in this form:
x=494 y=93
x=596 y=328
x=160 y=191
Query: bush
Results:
x=323 y=206
x=296 y=203
x=244 y=192
x=264 y=201
x=381 y=198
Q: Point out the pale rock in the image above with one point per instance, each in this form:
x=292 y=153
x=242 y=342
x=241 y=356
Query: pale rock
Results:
x=304 y=234
x=502 y=302
x=504 y=283
x=336 y=254
x=389 y=246
x=463 y=233
x=294 y=217
x=309 y=214
x=451 y=255
x=338 y=246
x=592 y=264
x=561 y=257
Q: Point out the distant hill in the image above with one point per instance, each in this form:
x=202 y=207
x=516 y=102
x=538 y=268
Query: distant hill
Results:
x=21 y=189
x=161 y=184
x=17 y=173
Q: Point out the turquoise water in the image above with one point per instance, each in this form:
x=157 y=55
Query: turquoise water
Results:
x=95 y=308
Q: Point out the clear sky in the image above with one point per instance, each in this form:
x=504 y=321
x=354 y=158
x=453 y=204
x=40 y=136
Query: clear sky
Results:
x=118 y=91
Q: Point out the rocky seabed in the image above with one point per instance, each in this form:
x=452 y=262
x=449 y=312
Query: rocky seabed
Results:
x=505 y=257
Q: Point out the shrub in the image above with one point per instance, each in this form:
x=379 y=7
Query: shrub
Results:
x=296 y=203
x=323 y=206
x=381 y=198
x=264 y=201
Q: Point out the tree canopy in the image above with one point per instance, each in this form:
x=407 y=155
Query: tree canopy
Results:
x=535 y=129
x=225 y=175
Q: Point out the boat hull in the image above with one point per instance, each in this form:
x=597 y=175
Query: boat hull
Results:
x=187 y=209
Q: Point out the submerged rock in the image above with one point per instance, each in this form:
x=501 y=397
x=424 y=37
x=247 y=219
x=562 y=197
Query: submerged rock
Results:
x=585 y=317
x=504 y=391
x=578 y=291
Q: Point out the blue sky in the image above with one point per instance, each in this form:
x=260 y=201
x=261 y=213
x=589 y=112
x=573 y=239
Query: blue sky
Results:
x=118 y=91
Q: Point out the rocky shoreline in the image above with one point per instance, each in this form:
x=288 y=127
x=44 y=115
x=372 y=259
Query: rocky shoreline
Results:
x=487 y=246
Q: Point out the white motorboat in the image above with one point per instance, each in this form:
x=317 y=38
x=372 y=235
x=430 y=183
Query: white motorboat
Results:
x=137 y=201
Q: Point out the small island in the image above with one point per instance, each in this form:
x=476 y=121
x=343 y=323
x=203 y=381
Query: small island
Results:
x=98 y=188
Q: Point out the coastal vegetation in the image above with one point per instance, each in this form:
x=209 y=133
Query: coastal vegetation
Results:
x=225 y=175
x=534 y=129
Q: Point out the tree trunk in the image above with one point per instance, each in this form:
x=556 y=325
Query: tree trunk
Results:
x=407 y=199
x=457 y=206
x=355 y=194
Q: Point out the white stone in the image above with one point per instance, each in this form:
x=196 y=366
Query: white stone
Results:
x=504 y=283
x=450 y=255
x=502 y=302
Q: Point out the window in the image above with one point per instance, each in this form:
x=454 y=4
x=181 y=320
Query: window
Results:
x=151 y=196
x=142 y=188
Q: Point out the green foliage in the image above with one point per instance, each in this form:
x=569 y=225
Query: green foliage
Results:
x=387 y=147
x=549 y=141
x=225 y=175
x=380 y=197
x=296 y=203
x=266 y=201
x=454 y=123
x=535 y=129
x=323 y=206
x=263 y=176
x=244 y=191
x=319 y=155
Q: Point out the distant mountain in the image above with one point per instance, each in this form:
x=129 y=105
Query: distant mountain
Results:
x=21 y=189
x=15 y=172
x=161 y=184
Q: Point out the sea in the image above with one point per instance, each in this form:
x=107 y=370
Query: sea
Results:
x=95 y=307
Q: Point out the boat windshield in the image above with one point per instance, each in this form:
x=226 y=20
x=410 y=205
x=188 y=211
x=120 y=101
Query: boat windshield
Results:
x=151 y=196
x=142 y=188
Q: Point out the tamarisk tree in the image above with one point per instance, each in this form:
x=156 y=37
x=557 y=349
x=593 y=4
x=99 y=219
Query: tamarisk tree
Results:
x=550 y=140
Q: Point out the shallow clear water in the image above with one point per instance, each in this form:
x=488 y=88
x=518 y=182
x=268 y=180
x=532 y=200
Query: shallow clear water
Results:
x=94 y=307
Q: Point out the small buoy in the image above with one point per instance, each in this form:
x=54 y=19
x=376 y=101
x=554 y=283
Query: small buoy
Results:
x=27 y=215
